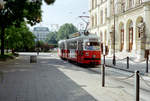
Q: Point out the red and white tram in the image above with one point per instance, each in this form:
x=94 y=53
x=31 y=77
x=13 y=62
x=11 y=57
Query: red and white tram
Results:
x=81 y=48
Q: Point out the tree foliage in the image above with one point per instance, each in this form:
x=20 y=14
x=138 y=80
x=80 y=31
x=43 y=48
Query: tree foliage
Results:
x=52 y=38
x=17 y=11
x=65 y=30
x=19 y=38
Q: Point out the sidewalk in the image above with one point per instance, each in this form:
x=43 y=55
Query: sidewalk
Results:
x=121 y=63
x=41 y=81
x=52 y=79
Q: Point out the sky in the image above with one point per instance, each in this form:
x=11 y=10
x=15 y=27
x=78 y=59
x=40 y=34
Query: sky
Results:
x=64 y=11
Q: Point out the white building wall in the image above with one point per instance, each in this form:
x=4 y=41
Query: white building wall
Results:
x=130 y=14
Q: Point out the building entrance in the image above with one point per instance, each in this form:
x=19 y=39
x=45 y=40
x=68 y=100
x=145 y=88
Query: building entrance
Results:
x=130 y=38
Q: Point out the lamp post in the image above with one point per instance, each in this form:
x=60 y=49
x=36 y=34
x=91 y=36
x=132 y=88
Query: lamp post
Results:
x=114 y=4
x=114 y=57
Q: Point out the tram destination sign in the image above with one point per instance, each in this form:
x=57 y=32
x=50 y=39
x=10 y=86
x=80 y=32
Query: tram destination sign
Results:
x=93 y=39
x=74 y=35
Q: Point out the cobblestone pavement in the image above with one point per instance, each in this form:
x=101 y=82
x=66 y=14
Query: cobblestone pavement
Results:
x=121 y=63
x=39 y=81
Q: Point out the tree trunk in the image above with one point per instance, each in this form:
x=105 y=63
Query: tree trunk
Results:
x=2 y=40
x=13 y=51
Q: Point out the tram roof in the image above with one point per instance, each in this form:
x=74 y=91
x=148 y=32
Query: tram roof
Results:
x=78 y=36
x=83 y=37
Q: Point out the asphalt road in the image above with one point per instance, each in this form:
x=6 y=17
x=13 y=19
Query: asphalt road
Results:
x=52 y=79
x=40 y=81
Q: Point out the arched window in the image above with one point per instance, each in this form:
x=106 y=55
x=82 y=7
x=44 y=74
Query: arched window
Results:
x=122 y=37
x=130 y=36
x=130 y=3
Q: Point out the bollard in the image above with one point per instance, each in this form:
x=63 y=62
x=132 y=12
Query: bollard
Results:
x=33 y=59
x=127 y=62
x=137 y=86
x=147 y=64
x=103 y=75
x=104 y=59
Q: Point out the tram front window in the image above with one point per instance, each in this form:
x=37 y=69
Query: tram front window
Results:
x=92 y=46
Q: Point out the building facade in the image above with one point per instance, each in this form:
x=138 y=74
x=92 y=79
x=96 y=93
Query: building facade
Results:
x=41 y=33
x=2 y=3
x=128 y=20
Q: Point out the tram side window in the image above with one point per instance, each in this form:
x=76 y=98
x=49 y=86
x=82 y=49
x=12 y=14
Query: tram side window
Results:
x=72 y=45
x=75 y=45
x=68 y=47
x=80 y=45
x=62 y=46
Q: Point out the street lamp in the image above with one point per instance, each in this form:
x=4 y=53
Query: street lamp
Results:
x=114 y=4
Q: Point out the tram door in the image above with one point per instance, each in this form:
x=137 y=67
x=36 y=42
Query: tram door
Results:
x=80 y=49
x=122 y=39
x=130 y=38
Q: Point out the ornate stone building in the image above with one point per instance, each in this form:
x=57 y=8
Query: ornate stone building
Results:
x=2 y=4
x=132 y=24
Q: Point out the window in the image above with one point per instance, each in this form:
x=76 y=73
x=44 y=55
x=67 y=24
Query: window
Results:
x=92 y=4
x=123 y=7
x=140 y=1
x=101 y=17
x=95 y=3
x=92 y=46
x=130 y=3
x=105 y=14
x=92 y=21
x=95 y=20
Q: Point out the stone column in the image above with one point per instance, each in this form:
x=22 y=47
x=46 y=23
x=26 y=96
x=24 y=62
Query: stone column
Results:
x=127 y=4
x=110 y=42
x=117 y=36
x=137 y=2
x=141 y=50
x=147 y=23
x=134 y=37
x=108 y=8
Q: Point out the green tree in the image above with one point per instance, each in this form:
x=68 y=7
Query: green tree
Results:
x=19 y=38
x=52 y=38
x=12 y=38
x=17 y=11
x=65 y=30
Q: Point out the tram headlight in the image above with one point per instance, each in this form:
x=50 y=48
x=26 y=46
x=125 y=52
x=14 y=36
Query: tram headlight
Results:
x=86 y=54
x=94 y=56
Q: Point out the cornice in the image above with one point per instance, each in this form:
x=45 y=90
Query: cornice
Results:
x=129 y=10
